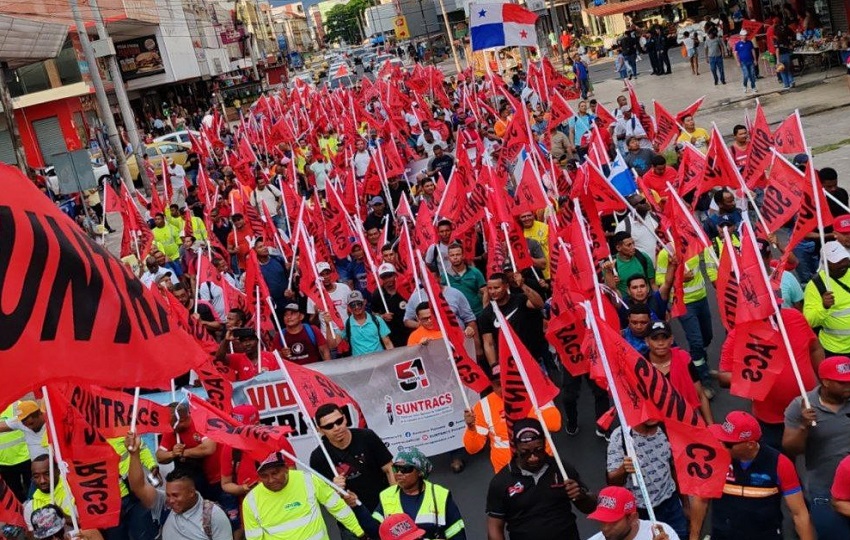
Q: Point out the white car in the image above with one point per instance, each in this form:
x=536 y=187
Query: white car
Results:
x=177 y=136
x=100 y=170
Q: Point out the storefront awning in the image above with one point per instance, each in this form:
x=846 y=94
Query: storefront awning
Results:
x=25 y=41
x=615 y=8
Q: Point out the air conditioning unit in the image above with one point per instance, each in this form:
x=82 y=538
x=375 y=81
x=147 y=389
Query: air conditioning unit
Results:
x=218 y=67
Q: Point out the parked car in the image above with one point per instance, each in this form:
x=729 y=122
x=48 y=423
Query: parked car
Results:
x=177 y=136
x=179 y=152
x=100 y=170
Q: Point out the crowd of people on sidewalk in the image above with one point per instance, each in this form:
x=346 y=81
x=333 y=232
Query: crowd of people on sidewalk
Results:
x=322 y=199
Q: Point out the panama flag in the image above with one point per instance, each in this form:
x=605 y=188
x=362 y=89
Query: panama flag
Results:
x=621 y=176
x=501 y=25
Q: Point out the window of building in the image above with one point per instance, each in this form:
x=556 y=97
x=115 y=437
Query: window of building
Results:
x=67 y=65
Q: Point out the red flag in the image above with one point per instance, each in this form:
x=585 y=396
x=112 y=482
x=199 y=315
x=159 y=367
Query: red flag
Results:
x=566 y=332
x=62 y=292
x=560 y=111
x=783 y=194
x=256 y=289
x=604 y=118
x=515 y=394
x=690 y=110
x=752 y=26
x=156 y=204
x=691 y=171
x=759 y=357
x=92 y=465
x=112 y=202
x=515 y=139
x=701 y=461
x=337 y=227
x=471 y=209
x=756 y=301
x=257 y=440
x=605 y=197
x=470 y=372
x=721 y=170
x=690 y=237
x=807 y=220
x=727 y=288
x=639 y=111
x=110 y=411
x=759 y=152
x=424 y=235
x=666 y=127
x=11 y=511
x=788 y=137
x=529 y=194
x=495 y=240
x=216 y=378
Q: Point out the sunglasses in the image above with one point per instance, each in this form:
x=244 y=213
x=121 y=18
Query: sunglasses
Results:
x=356 y=304
x=338 y=422
x=403 y=469
x=539 y=452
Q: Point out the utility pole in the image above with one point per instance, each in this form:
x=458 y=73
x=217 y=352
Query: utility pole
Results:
x=450 y=37
x=9 y=113
x=121 y=93
x=102 y=101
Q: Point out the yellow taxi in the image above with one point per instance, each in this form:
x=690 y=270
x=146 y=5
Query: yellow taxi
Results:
x=179 y=152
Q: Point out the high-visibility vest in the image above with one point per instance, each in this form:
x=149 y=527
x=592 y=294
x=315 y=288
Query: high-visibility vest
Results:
x=695 y=289
x=834 y=323
x=13 y=446
x=41 y=499
x=293 y=513
x=168 y=241
x=432 y=512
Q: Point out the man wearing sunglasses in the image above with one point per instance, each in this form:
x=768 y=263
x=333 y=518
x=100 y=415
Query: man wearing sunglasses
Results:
x=759 y=478
x=529 y=498
x=364 y=332
x=363 y=463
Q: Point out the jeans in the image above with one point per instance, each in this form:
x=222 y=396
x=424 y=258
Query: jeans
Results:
x=828 y=523
x=135 y=522
x=653 y=61
x=717 y=69
x=631 y=59
x=571 y=389
x=749 y=71
x=669 y=511
x=787 y=77
x=698 y=332
x=584 y=86
x=808 y=258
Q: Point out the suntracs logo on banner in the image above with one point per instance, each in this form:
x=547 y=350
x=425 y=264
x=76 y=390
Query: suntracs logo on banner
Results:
x=411 y=375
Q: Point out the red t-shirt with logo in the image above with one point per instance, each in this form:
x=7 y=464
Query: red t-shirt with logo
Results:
x=302 y=350
x=245 y=368
x=191 y=439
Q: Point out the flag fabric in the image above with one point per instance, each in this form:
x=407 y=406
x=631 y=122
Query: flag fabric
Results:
x=529 y=194
x=758 y=357
x=666 y=129
x=726 y=288
x=701 y=461
x=501 y=25
x=515 y=394
x=621 y=176
x=759 y=154
x=783 y=193
x=110 y=411
x=11 y=510
x=807 y=220
x=62 y=292
x=788 y=137
x=92 y=464
x=216 y=377
x=756 y=301
x=257 y=440
x=691 y=171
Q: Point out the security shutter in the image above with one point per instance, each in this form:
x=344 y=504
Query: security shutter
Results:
x=7 y=153
x=839 y=16
x=48 y=132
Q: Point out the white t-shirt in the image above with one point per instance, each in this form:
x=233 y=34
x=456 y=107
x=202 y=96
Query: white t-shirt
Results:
x=269 y=195
x=149 y=278
x=644 y=532
x=178 y=174
x=321 y=172
x=641 y=234
x=339 y=298
x=429 y=146
x=361 y=163
x=36 y=440
x=631 y=128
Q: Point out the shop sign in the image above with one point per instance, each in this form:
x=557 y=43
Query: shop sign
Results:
x=139 y=58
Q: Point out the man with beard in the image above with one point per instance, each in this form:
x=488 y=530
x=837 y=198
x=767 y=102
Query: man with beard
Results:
x=529 y=497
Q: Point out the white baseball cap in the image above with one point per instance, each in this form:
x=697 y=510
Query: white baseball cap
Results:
x=386 y=269
x=835 y=252
x=323 y=267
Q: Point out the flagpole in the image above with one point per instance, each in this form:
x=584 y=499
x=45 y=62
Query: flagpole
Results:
x=777 y=315
x=503 y=323
x=580 y=216
x=199 y=254
x=270 y=302
x=417 y=284
x=135 y=415
x=59 y=461
x=691 y=221
x=103 y=218
x=624 y=425
x=259 y=336
x=51 y=474
x=316 y=473
x=449 y=36
x=433 y=298
x=504 y=227
x=300 y=402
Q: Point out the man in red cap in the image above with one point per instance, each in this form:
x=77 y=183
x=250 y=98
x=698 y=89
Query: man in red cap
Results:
x=759 y=478
x=841 y=229
x=400 y=527
x=824 y=444
x=616 y=512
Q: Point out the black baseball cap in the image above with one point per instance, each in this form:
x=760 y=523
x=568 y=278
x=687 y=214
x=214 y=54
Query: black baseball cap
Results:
x=658 y=328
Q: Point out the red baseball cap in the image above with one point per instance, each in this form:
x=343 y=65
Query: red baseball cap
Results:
x=836 y=368
x=739 y=427
x=399 y=527
x=246 y=414
x=842 y=224
x=613 y=504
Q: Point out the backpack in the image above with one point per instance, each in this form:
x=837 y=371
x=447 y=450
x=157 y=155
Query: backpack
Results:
x=377 y=326
x=643 y=259
x=206 y=518
x=311 y=335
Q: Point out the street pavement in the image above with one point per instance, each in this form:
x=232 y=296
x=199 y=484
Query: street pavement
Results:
x=822 y=98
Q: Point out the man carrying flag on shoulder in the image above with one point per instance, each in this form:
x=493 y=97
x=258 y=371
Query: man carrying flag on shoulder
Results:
x=826 y=301
x=618 y=518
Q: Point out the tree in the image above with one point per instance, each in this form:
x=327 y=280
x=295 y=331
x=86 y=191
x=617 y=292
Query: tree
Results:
x=344 y=21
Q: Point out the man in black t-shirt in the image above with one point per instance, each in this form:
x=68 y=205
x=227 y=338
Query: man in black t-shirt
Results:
x=529 y=496
x=303 y=343
x=393 y=313
x=363 y=463
x=523 y=311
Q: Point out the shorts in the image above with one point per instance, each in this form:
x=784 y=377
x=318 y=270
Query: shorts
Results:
x=691 y=53
x=232 y=507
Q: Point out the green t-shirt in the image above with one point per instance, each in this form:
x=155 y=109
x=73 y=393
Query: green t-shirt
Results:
x=633 y=267
x=470 y=283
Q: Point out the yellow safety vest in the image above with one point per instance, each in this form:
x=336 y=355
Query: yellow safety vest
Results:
x=168 y=241
x=41 y=499
x=432 y=511
x=117 y=444
x=834 y=322
x=695 y=289
x=13 y=446
x=293 y=512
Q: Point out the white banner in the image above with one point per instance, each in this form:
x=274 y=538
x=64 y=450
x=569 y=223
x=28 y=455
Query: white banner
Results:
x=408 y=396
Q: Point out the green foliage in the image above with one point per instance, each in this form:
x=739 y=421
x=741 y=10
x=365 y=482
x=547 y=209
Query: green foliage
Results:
x=342 y=21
